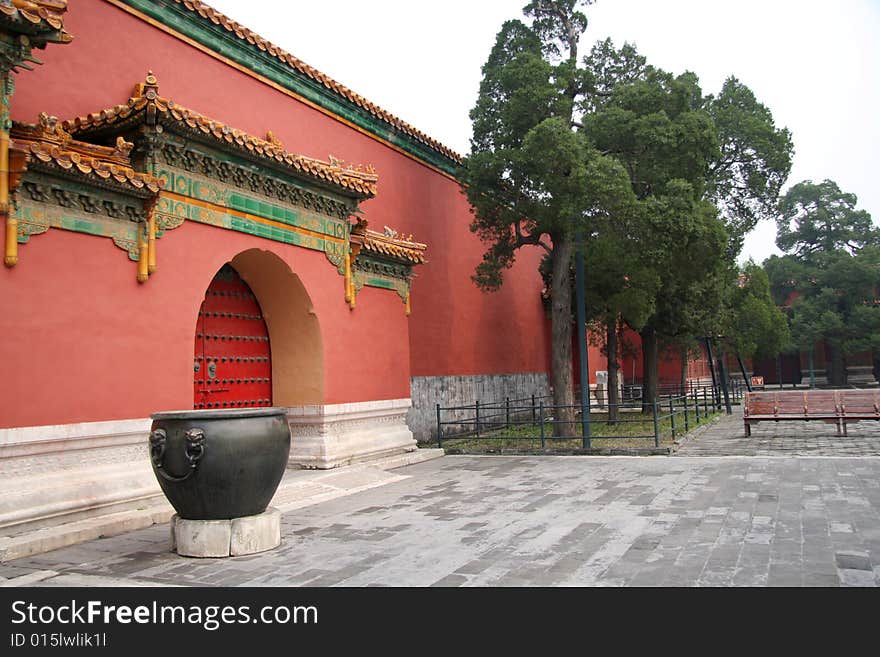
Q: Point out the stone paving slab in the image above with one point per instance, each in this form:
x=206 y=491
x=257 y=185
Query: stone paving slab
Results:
x=726 y=437
x=541 y=521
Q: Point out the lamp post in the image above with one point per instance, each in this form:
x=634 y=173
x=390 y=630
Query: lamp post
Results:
x=722 y=373
x=716 y=400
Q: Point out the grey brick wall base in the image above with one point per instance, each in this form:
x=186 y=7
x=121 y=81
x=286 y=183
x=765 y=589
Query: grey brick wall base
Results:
x=428 y=391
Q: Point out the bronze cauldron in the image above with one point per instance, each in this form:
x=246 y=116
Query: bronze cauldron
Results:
x=222 y=463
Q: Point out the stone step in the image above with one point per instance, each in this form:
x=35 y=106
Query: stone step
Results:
x=407 y=458
x=70 y=533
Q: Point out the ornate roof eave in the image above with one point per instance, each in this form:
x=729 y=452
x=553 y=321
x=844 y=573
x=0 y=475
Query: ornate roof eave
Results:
x=46 y=146
x=146 y=106
x=388 y=245
x=41 y=20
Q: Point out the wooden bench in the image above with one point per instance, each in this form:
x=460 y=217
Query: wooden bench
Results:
x=839 y=407
x=856 y=405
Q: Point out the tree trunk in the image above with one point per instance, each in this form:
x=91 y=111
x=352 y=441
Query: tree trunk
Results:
x=837 y=377
x=613 y=372
x=650 y=366
x=561 y=333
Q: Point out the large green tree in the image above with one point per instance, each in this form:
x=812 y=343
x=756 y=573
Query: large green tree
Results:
x=653 y=181
x=533 y=178
x=689 y=303
x=752 y=163
x=717 y=161
x=621 y=286
x=815 y=219
x=756 y=327
x=655 y=124
x=830 y=273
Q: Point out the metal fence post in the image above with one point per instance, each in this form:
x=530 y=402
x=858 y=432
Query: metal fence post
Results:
x=656 y=424
x=439 y=429
x=477 y=420
x=507 y=412
x=533 y=409
x=672 y=416
x=542 y=425
x=697 y=406
x=687 y=426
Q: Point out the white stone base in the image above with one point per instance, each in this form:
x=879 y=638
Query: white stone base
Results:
x=860 y=375
x=226 y=538
x=340 y=434
x=66 y=473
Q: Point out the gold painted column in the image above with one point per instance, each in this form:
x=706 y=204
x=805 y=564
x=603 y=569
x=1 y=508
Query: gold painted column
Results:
x=10 y=256
x=351 y=287
x=143 y=253
x=347 y=278
x=151 y=244
x=352 y=291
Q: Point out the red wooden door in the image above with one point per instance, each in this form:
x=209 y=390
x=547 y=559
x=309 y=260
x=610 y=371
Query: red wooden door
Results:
x=233 y=363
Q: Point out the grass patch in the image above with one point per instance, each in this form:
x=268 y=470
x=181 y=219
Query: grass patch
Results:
x=633 y=431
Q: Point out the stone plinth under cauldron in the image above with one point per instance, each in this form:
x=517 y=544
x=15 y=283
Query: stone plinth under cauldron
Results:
x=219 y=470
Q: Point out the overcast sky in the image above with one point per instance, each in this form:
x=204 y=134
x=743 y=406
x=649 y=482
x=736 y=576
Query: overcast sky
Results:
x=815 y=64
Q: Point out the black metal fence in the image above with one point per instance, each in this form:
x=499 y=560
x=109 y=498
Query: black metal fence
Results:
x=735 y=386
x=537 y=418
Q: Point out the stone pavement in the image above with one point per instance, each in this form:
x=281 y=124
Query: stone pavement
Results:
x=794 y=506
x=727 y=438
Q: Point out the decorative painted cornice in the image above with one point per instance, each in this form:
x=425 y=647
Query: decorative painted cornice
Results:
x=47 y=143
x=230 y=40
x=383 y=260
x=146 y=106
x=107 y=196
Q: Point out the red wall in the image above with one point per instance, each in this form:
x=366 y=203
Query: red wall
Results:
x=596 y=360
x=669 y=367
x=83 y=341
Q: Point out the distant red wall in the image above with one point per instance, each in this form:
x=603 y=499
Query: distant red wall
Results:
x=89 y=343
x=669 y=367
x=596 y=360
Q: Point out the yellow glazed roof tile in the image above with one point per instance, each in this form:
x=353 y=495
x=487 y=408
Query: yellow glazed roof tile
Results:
x=146 y=98
x=47 y=142
x=46 y=15
x=388 y=243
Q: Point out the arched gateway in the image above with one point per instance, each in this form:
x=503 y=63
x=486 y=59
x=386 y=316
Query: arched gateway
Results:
x=232 y=361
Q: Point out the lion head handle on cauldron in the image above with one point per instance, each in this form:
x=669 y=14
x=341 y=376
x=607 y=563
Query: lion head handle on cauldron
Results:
x=195 y=447
x=157 y=446
x=194 y=450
